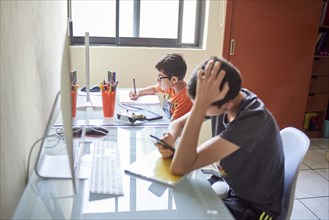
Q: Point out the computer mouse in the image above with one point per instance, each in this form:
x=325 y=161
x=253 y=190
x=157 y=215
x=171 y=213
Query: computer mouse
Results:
x=221 y=188
x=91 y=89
x=96 y=131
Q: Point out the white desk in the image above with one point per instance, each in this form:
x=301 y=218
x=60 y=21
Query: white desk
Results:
x=94 y=115
x=192 y=198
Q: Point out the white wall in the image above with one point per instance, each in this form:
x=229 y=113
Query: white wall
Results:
x=138 y=62
x=32 y=38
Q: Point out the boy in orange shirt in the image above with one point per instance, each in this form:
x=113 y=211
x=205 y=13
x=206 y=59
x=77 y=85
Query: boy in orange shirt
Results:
x=171 y=70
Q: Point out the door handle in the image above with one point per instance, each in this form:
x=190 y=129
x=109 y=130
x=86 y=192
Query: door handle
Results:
x=232 y=47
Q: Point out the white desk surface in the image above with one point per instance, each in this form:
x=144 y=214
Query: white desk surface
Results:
x=94 y=115
x=192 y=198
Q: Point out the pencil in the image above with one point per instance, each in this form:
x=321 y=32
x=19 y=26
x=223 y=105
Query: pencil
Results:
x=134 y=85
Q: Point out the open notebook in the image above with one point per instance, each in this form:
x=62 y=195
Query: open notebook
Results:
x=153 y=167
x=144 y=99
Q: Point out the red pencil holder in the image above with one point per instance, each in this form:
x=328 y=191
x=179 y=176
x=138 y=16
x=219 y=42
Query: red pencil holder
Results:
x=108 y=99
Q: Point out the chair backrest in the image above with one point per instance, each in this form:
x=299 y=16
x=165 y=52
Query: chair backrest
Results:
x=295 y=146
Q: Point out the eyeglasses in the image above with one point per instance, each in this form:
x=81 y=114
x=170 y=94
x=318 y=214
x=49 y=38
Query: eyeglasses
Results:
x=162 y=77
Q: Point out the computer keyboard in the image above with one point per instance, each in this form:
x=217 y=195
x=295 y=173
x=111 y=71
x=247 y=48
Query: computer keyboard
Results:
x=106 y=173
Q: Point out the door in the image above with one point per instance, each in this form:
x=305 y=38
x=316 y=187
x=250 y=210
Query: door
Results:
x=272 y=43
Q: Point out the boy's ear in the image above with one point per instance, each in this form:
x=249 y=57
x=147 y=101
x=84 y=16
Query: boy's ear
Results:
x=174 y=79
x=228 y=105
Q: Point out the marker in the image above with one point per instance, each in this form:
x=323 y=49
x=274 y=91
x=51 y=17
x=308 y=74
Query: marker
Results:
x=134 y=86
x=114 y=77
x=115 y=86
x=109 y=76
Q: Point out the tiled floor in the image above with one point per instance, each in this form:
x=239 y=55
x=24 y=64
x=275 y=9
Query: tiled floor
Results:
x=312 y=189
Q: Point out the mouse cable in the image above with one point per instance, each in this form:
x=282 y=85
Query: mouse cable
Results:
x=29 y=158
x=60 y=131
x=100 y=131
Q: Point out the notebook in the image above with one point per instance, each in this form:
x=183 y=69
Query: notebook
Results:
x=154 y=168
x=144 y=99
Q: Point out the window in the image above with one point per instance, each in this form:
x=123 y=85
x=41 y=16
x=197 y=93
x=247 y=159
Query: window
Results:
x=162 y=23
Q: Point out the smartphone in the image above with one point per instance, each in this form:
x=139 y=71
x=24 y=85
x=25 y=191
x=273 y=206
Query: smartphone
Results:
x=164 y=144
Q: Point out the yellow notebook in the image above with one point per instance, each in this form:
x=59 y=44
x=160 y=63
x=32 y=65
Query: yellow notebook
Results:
x=153 y=167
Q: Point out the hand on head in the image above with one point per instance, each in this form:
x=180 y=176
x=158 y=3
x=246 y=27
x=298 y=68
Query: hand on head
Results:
x=209 y=81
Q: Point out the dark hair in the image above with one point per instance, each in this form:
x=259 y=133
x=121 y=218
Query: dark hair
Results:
x=232 y=76
x=172 y=64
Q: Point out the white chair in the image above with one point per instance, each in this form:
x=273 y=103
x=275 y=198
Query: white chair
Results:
x=295 y=146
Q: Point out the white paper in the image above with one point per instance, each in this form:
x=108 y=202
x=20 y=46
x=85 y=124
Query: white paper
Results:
x=144 y=99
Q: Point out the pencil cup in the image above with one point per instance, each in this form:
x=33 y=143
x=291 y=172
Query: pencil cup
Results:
x=108 y=99
x=74 y=103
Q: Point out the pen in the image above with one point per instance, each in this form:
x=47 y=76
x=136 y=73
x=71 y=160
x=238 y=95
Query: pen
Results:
x=115 y=86
x=134 y=85
x=114 y=77
x=109 y=76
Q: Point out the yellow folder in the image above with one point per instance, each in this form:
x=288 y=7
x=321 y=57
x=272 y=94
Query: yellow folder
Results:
x=153 y=167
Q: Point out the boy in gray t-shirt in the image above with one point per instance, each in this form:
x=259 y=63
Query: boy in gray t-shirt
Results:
x=256 y=169
x=246 y=141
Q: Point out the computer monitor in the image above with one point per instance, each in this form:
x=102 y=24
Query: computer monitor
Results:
x=56 y=158
x=87 y=58
x=66 y=109
x=60 y=164
x=87 y=89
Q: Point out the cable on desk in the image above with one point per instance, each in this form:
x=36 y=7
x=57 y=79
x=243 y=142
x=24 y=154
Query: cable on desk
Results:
x=95 y=128
x=59 y=133
x=29 y=158
x=60 y=136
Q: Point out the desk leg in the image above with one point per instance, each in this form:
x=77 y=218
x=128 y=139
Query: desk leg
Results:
x=132 y=179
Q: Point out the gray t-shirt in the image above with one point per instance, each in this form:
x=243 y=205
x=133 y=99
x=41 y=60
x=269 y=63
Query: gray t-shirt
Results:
x=255 y=172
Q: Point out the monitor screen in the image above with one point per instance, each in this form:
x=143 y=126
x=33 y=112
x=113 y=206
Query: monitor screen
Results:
x=55 y=158
x=66 y=109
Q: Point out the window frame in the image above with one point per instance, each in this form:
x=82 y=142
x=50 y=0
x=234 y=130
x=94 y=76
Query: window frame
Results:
x=139 y=41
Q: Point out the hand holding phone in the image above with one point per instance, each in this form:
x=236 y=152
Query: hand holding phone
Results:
x=163 y=143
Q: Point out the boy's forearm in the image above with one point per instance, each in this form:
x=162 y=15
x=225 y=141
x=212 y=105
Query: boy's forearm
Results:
x=186 y=153
x=150 y=90
x=175 y=127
